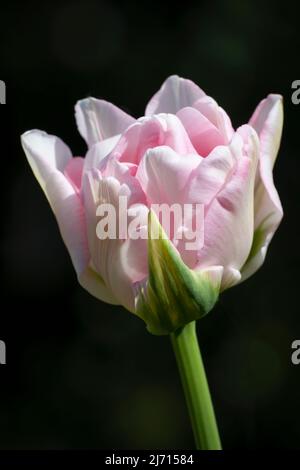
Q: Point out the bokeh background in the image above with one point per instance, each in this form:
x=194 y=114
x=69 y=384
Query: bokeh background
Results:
x=82 y=374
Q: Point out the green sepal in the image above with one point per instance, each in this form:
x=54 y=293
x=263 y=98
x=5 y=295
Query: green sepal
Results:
x=173 y=295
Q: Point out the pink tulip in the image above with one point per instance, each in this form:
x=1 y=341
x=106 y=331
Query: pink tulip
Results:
x=184 y=150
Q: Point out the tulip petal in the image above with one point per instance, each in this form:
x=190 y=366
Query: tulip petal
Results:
x=73 y=171
x=147 y=133
x=228 y=226
x=69 y=213
x=118 y=261
x=45 y=153
x=204 y=135
x=165 y=177
x=268 y=121
x=94 y=284
x=216 y=115
x=169 y=178
x=98 y=120
x=164 y=174
x=208 y=108
x=205 y=182
x=98 y=152
x=210 y=175
x=49 y=157
x=174 y=134
x=174 y=94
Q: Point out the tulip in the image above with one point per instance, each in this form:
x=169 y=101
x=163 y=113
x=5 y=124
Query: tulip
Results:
x=183 y=151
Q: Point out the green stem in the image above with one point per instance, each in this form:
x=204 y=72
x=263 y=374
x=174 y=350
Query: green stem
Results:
x=195 y=388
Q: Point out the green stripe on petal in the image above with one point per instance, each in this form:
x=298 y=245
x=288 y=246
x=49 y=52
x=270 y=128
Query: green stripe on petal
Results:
x=174 y=295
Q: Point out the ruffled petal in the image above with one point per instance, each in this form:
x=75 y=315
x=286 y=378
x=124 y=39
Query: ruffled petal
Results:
x=228 y=226
x=119 y=262
x=204 y=135
x=98 y=152
x=164 y=173
x=147 y=133
x=216 y=115
x=206 y=181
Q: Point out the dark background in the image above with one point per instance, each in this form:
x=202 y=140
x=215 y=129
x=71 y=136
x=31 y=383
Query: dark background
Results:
x=82 y=374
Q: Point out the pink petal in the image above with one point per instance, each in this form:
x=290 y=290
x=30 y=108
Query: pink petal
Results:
x=68 y=210
x=267 y=120
x=228 y=228
x=98 y=120
x=98 y=152
x=174 y=94
x=119 y=262
x=205 y=182
x=73 y=171
x=211 y=175
x=175 y=135
x=45 y=153
x=216 y=115
x=164 y=174
x=48 y=156
x=203 y=134
x=146 y=133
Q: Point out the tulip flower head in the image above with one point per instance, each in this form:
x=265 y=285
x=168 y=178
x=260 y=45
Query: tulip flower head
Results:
x=185 y=155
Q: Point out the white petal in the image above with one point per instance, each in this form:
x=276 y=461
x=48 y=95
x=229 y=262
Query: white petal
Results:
x=98 y=152
x=98 y=120
x=228 y=225
x=164 y=173
x=120 y=263
x=204 y=135
x=68 y=210
x=94 y=284
x=45 y=153
x=174 y=94
x=48 y=157
x=268 y=121
x=210 y=109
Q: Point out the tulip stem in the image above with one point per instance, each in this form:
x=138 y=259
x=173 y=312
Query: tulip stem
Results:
x=195 y=386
